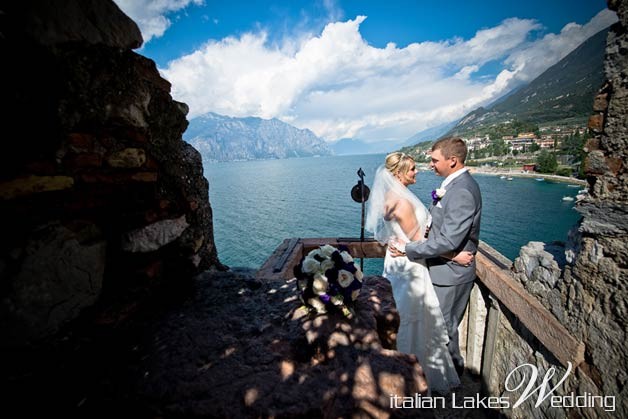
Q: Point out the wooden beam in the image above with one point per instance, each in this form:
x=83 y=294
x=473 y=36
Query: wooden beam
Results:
x=281 y=261
x=539 y=320
x=367 y=249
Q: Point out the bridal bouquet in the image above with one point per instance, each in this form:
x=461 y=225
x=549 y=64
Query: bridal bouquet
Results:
x=327 y=279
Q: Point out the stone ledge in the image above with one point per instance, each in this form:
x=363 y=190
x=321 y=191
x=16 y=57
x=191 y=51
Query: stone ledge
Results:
x=239 y=348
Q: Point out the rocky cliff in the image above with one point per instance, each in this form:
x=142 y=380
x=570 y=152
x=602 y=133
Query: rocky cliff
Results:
x=100 y=198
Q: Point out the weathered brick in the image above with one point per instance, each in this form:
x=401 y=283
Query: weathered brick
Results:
x=596 y=123
x=614 y=164
x=80 y=142
x=83 y=160
x=118 y=178
x=592 y=144
x=34 y=184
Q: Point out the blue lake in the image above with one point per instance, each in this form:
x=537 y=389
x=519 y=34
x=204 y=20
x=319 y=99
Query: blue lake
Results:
x=258 y=204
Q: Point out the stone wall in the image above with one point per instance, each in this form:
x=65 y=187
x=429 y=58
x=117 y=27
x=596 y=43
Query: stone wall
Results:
x=100 y=198
x=587 y=289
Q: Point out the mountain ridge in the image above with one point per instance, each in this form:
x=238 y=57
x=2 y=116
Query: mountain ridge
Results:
x=225 y=138
x=555 y=95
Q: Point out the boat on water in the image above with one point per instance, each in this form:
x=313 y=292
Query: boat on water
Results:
x=502 y=177
x=573 y=186
x=567 y=198
x=539 y=179
x=508 y=178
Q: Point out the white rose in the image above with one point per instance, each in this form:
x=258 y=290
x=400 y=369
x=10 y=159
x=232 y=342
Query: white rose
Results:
x=345 y=278
x=358 y=274
x=319 y=285
x=346 y=257
x=327 y=250
x=337 y=300
x=440 y=192
x=317 y=304
x=315 y=252
x=354 y=294
x=310 y=265
x=327 y=264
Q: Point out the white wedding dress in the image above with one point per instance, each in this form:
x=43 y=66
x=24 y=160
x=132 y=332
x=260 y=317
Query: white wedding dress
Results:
x=422 y=330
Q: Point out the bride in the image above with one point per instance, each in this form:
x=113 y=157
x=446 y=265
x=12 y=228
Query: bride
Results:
x=396 y=216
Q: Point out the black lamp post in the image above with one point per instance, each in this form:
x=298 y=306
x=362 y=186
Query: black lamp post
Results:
x=360 y=193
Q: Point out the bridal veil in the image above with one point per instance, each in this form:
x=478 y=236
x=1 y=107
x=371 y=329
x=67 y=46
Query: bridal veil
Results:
x=386 y=187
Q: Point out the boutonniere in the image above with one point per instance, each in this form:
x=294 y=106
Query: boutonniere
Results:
x=437 y=194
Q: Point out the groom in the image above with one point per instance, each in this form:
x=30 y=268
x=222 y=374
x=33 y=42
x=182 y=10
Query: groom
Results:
x=455 y=227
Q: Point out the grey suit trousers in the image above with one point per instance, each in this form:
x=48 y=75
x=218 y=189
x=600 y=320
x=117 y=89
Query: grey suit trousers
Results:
x=453 y=301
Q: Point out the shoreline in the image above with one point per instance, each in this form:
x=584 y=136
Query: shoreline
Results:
x=521 y=173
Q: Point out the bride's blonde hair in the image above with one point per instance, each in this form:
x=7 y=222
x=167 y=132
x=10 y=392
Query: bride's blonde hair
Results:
x=398 y=162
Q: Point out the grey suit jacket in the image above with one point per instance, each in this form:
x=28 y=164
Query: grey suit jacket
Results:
x=455 y=227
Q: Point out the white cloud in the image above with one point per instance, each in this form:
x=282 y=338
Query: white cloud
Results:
x=150 y=15
x=339 y=86
x=530 y=61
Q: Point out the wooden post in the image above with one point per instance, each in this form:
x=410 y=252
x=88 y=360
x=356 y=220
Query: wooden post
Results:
x=494 y=314
x=476 y=328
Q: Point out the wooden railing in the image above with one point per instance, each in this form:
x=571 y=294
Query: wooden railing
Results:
x=493 y=272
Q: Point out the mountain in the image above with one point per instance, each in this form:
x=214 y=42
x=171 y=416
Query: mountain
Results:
x=224 y=138
x=563 y=93
x=348 y=146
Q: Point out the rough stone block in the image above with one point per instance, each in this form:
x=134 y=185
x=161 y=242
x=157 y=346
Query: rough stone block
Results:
x=600 y=103
x=127 y=158
x=60 y=273
x=154 y=236
x=595 y=163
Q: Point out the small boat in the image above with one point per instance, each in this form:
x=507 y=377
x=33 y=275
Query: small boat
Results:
x=567 y=198
x=539 y=179
x=508 y=178
x=573 y=186
x=502 y=177
x=583 y=191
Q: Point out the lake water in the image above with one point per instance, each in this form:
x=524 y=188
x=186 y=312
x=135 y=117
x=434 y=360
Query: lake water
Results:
x=258 y=204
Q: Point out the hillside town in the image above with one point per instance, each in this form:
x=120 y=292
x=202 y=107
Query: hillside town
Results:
x=549 y=149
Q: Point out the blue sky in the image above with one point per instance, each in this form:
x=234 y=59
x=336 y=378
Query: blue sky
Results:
x=373 y=70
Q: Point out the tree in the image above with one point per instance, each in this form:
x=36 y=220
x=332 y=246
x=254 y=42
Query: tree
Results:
x=499 y=147
x=534 y=147
x=546 y=162
x=574 y=146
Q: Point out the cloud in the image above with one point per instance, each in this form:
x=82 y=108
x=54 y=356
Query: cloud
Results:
x=339 y=86
x=531 y=60
x=150 y=15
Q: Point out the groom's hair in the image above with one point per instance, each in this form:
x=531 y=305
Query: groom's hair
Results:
x=451 y=146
